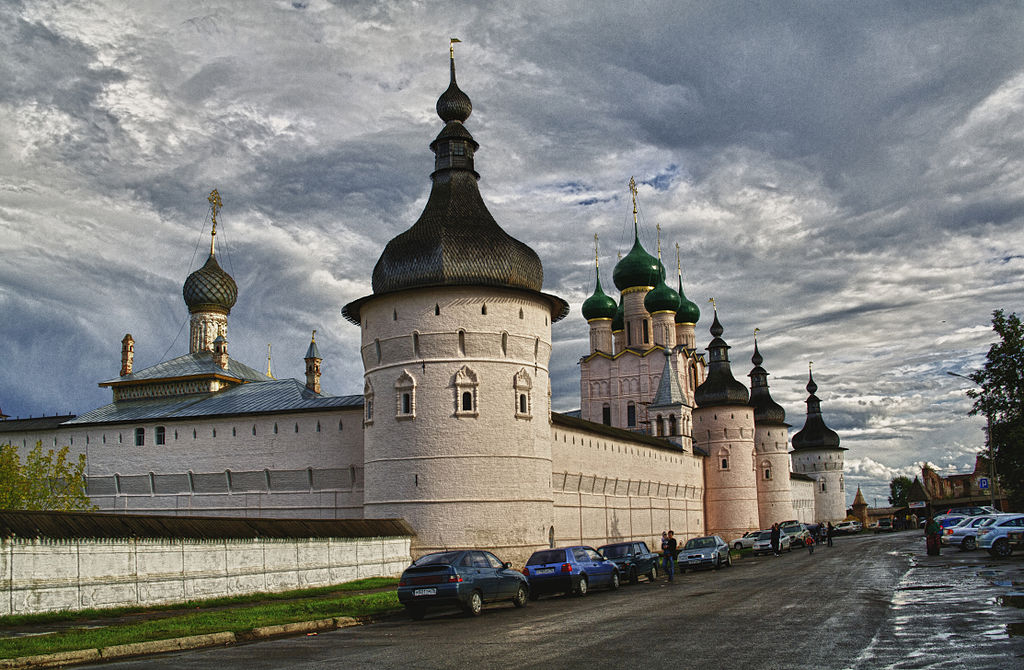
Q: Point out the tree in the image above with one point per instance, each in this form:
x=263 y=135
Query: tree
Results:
x=47 y=480
x=899 y=487
x=1000 y=398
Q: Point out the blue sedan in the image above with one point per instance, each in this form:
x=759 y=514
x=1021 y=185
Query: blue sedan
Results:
x=569 y=570
x=467 y=579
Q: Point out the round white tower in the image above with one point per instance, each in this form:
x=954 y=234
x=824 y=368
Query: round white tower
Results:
x=723 y=426
x=456 y=340
x=771 y=449
x=817 y=454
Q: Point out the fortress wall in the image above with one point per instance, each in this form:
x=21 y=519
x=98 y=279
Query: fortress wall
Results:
x=47 y=575
x=608 y=489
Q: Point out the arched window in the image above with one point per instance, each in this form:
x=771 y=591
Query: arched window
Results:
x=465 y=384
x=659 y=426
x=606 y=415
x=647 y=332
x=672 y=428
x=462 y=343
x=405 y=396
x=367 y=404
x=522 y=385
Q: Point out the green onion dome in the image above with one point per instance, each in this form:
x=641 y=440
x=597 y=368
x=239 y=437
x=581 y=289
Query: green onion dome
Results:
x=663 y=298
x=599 y=305
x=619 y=320
x=637 y=268
x=210 y=289
x=688 y=311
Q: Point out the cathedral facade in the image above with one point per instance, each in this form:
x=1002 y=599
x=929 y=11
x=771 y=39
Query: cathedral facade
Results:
x=454 y=430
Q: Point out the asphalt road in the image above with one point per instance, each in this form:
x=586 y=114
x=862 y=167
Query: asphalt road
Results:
x=868 y=602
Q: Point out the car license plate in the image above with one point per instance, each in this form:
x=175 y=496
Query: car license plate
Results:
x=425 y=592
x=545 y=571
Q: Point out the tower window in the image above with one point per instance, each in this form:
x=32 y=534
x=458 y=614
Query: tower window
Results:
x=606 y=415
x=483 y=309
x=767 y=473
x=140 y=437
x=275 y=429
x=467 y=401
x=725 y=463
x=318 y=426
x=522 y=385
x=672 y=425
x=631 y=415
x=160 y=435
x=647 y=334
x=437 y=310
x=405 y=393
x=823 y=486
x=465 y=384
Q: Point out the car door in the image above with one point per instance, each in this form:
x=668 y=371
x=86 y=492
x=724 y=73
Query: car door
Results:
x=600 y=565
x=486 y=576
x=506 y=580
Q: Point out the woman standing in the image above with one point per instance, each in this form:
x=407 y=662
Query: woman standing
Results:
x=932 y=533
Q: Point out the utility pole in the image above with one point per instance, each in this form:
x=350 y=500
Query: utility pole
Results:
x=991 y=455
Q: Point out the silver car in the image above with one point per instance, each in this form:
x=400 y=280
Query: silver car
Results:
x=745 y=542
x=965 y=533
x=995 y=536
x=704 y=552
x=763 y=543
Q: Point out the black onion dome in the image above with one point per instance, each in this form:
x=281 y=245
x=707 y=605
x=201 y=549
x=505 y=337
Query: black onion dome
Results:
x=815 y=434
x=456 y=241
x=720 y=387
x=766 y=410
x=210 y=289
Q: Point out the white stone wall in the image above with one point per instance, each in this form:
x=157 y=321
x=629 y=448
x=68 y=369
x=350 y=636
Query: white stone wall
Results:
x=300 y=464
x=608 y=489
x=727 y=433
x=825 y=466
x=803 y=501
x=774 y=493
x=476 y=477
x=41 y=576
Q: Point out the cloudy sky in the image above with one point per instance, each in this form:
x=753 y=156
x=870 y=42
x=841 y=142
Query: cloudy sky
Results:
x=847 y=177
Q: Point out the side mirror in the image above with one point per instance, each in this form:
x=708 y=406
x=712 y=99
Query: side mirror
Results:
x=508 y=565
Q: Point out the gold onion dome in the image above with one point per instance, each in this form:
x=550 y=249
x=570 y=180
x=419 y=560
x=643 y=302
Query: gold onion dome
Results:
x=456 y=241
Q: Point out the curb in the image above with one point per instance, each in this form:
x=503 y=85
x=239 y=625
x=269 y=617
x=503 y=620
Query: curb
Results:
x=65 y=658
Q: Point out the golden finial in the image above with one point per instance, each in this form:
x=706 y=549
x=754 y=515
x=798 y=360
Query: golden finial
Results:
x=756 y=331
x=269 y=373
x=451 y=47
x=215 y=206
x=597 y=260
x=314 y=336
x=632 y=190
x=713 y=304
x=809 y=365
x=679 y=266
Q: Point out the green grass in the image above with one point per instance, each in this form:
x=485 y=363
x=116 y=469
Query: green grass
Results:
x=238 y=619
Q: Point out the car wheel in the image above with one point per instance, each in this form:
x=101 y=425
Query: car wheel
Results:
x=1001 y=548
x=475 y=605
x=728 y=561
x=521 y=596
x=581 y=588
x=968 y=544
x=738 y=546
x=653 y=574
x=615 y=580
x=718 y=562
x=633 y=577
x=416 y=613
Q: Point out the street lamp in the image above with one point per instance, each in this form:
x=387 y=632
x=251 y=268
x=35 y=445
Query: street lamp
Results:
x=991 y=456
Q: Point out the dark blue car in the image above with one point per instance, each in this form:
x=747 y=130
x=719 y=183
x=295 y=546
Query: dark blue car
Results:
x=466 y=579
x=569 y=570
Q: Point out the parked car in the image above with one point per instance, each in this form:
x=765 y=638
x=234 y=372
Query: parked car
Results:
x=633 y=559
x=763 y=543
x=972 y=510
x=467 y=579
x=995 y=536
x=884 y=526
x=704 y=552
x=745 y=542
x=965 y=533
x=569 y=570
x=848 y=527
x=798 y=534
x=948 y=520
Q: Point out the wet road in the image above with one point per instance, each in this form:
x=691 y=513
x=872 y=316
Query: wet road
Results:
x=868 y=602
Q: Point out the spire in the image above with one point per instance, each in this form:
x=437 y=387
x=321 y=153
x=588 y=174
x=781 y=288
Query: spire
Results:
x=669 y=393
x=815 y=434
x=215 y=206
x=269 y=372
x=719 y=387
x=598 y=305
x=766 y=410
x=638 y=269
x=313 y=361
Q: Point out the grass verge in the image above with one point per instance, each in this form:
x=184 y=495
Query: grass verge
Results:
x=236 y=619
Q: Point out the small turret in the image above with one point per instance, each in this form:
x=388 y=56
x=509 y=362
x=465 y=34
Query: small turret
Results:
x=720 y=387
x=313 y=366
x=127 y=354
x=220 y=352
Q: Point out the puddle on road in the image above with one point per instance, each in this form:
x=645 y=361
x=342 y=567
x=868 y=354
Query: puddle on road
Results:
x=699 y=593
x=925 y=587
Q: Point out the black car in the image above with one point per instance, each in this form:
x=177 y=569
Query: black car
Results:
x=467 y=579
x=633 y=559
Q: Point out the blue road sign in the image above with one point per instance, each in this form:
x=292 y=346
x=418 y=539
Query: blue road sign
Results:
x=983 y=483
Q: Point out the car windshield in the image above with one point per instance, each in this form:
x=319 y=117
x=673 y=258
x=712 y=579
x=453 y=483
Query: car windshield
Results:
x=765 y=535
x=700 y=543
x=441 y=558
x=615 y=550
x=547 y=556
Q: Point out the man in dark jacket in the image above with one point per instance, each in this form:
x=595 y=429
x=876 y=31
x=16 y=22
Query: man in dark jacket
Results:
x=670 y=555
x=776 y=537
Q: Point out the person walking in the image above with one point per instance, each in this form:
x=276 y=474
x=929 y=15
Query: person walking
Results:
x=829 y=532
x=933 y=535
x=670 y=556
x=776 y=536
x=810 y=544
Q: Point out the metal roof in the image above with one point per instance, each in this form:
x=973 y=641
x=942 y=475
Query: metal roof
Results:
x=32 y=424
x=613 y=432
x=66 y=525
x=278 y=395
x=200 y=364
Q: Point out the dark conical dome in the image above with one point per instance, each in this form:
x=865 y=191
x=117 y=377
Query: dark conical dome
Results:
x=688 y=311
x=599 y=305
x=663 y=298
x=766 y=410
x=456 y=241
x=719 y=387
x=210 y=289
x=815 y=434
